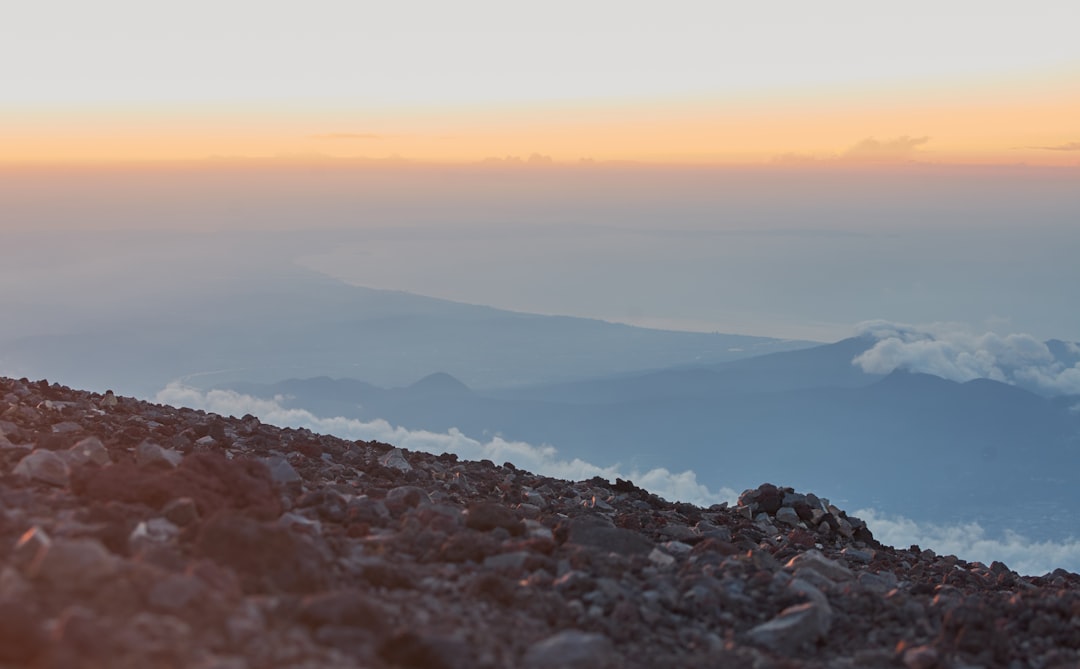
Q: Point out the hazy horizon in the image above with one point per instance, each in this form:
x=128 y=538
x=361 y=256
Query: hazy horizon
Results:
x=775 y=252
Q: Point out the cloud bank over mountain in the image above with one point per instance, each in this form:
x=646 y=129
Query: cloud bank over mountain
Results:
x=955 y=353
x=969 y=541
x=544 y=459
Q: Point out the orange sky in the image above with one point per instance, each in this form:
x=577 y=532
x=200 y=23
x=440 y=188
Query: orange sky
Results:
x=695 y=82
x=1034 y=122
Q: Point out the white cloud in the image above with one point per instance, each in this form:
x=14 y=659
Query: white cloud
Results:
x=888 y=150
x=969 y=541
x=953 y=352
x=544 y=459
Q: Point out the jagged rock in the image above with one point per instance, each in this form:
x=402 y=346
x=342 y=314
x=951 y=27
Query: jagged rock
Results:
x=395 y=459
x=88 y=451
x=814 y=561
x=858 y=555
x=787 y=516
x=280 y=470
x=660 y=558
x=44 y=466
x=794 y=627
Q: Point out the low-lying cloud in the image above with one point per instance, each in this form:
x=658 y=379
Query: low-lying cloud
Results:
x=887 y=150
x=955 y=353
x=969 y=541
x=545 y=460
x=900 y=149
x=1068 y=146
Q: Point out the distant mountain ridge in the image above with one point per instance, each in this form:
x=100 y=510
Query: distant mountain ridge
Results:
x=296 y=323
x=864 y=436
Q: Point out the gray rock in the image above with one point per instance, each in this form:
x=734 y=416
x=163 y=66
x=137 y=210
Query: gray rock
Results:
x=44 y=466
x=677 y=548
x=787 y=516
x=280 y=469
x=153 y=531
x=9 y=429
x=793 y=498
x=395 y=459
x=406 y=496
x=880 y=583
x=571 y=649
x=73 y=563
x=920 y=657
x=513 y=562
x=87 y=451
x=789 y=631
x=815 y=561
x=660 y=558
x=858 y=555
x=677 y=532
x=149 y=454
x=818 y=599
x=66 y=427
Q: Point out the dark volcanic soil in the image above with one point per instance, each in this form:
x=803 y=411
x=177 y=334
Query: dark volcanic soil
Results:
x=137 y=535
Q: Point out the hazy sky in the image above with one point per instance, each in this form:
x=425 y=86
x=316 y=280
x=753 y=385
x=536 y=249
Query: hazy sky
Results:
x=692 y=82
x=786 y=169
x=767 y=251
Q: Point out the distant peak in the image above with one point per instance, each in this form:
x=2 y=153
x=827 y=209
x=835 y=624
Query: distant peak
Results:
x=439 y=382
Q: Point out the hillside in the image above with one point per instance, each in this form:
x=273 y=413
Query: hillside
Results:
x=138 y=535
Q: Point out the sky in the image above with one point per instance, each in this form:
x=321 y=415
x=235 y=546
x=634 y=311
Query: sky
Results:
x=786 y=170
x=681 y=82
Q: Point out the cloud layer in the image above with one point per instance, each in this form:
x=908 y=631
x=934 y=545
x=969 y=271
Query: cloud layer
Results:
x=683 y=487
x=1068 y=146
x=955 y=353
x=970 y=542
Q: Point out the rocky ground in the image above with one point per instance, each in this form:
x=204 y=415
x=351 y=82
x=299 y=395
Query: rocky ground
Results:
x=138 y=535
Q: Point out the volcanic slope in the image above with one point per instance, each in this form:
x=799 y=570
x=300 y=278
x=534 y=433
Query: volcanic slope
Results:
x=138 y=535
